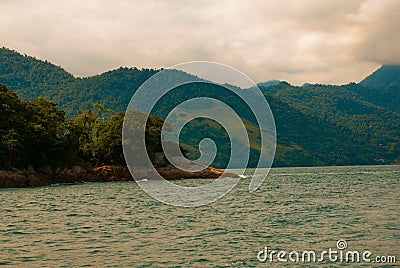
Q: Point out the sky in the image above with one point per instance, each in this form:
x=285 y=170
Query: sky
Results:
x=299 y=41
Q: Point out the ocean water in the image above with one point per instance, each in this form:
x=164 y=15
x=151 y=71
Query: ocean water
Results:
x=119 y=225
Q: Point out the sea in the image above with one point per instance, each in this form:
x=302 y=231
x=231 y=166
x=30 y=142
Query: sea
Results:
x=315 y=209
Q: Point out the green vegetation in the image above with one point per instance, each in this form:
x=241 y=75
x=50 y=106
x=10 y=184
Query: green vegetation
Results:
x=382 y=87
x=330 y=125
x=316 y=124
x=36 y=133
x=31 y=78
x=31 y=132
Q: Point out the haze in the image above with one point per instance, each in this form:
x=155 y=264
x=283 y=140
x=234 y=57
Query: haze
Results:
x=298 y=41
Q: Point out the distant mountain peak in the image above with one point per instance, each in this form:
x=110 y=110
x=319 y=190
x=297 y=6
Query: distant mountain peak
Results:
x=385 y=76
x=269 y=83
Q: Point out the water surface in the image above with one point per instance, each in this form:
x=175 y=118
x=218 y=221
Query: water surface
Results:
x=117 y=224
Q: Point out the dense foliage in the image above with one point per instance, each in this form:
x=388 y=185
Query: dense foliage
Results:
x=382 y=87
x=31 y=132
x=31 y=78
x=316 y=124
x=330 y=125
x=36 y=133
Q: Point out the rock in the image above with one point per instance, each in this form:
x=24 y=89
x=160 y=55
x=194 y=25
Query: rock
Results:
x=89 y=177
x=118 y=173
x=68 y=176
x=30 y=170
x=34 y=181
x=46 y=170
x=76 y=174
x=172 y=173
x=78 y=170
x=71 y=175
x=12 y=180
x=111 y=173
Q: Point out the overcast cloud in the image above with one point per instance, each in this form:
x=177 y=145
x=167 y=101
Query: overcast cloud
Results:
x=328 y=41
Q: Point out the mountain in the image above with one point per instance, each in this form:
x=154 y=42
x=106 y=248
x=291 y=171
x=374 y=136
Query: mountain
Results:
x=316 y=124
x=30 y=77
x=268 y=83
x=385 y=76
x=382 y=87
x=333 y=125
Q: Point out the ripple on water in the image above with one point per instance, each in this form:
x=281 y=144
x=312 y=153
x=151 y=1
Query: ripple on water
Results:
x=117 y=224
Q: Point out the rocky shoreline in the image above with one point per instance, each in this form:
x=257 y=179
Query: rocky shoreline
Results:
x=35 y=178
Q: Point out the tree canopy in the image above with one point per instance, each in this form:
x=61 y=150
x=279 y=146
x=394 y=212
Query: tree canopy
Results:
x=316 y=124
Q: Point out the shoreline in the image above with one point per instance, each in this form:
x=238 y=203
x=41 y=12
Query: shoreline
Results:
x=76 y=175
x=108 y=173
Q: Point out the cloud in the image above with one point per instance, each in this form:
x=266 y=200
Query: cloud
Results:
x=377 y=24
x=294 y=40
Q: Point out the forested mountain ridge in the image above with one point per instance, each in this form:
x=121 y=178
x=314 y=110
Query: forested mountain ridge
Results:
x=30 y=77
x=385 y=76
x=334 y=125
x=316 y=124
x=383 y=87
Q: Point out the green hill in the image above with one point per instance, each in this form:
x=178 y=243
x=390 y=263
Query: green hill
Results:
x=30 y=77
x=383 y=87
x=316 y=124
x=331 y=125
x=385 y=76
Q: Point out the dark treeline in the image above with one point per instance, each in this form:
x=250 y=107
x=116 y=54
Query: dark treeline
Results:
x=37 y=133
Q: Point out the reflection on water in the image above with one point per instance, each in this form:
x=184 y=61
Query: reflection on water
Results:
x=117 y=224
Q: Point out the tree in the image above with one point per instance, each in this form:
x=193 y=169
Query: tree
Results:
x=46 y=125
x=13 y=147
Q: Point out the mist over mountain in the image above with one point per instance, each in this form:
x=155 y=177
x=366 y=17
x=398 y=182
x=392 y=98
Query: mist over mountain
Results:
x=316 y=124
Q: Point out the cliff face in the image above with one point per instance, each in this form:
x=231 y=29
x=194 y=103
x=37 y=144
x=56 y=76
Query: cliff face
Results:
x=36 y=178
